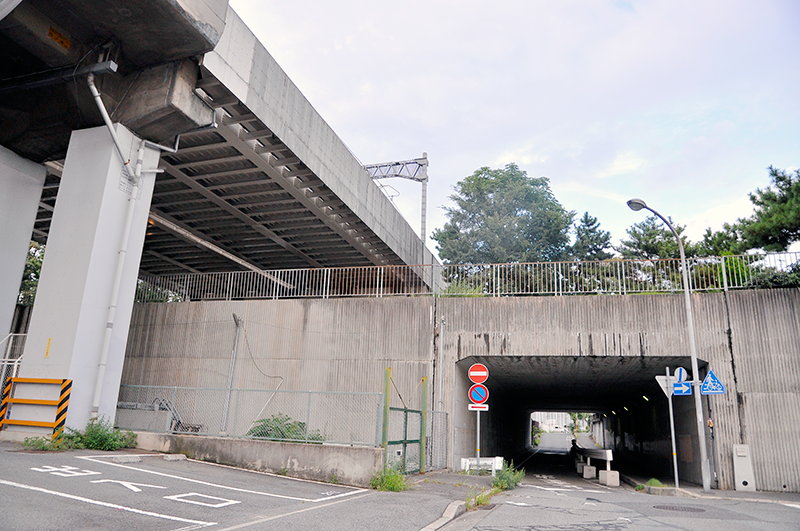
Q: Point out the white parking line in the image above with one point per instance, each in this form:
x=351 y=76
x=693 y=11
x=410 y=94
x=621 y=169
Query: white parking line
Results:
x=109 y=505
x=291 y=513
x=182 y=498
x=236 y=489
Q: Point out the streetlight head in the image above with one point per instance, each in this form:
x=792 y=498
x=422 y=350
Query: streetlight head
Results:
x=636 y=204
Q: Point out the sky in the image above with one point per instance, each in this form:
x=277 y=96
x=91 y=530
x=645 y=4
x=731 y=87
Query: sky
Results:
x=682 y=103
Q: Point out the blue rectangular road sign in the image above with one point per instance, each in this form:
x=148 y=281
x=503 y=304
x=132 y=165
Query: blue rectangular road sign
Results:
x=682 y=388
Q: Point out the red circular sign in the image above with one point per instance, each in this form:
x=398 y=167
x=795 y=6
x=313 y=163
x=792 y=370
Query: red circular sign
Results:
x=478 y=373
x=478 y=394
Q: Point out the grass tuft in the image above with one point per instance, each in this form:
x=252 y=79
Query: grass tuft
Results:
x=389 y=479
x=98 y=435
x=507 y=478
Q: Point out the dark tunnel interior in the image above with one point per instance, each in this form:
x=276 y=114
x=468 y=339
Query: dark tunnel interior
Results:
x=629 y=408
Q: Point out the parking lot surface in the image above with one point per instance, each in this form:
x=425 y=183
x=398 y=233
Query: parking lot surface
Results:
x=146 y=491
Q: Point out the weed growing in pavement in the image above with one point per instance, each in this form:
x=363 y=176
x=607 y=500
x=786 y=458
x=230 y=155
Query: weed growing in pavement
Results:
x=477 y=499
x=51 y=444
x=101 y=435
x=390 y=479
x=507 y=478
x=98 y=435
x=639 y=487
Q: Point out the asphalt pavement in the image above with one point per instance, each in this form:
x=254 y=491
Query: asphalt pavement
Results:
x=133 y=490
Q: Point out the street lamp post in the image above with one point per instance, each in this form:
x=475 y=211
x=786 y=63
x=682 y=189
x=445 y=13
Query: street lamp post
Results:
x=638 y=204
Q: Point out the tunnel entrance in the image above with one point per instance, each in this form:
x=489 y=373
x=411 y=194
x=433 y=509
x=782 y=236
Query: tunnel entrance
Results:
x=624 y=408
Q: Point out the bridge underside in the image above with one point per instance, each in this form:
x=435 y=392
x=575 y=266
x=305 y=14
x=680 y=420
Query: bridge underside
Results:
x=235 y=195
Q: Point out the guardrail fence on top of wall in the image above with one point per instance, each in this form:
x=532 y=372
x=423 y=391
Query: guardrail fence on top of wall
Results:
x=615 y=276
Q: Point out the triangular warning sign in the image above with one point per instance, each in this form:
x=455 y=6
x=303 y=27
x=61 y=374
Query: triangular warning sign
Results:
x=712 y=385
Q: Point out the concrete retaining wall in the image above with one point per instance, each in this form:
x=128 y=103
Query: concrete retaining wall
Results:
x=348 y=465
x=751 y=339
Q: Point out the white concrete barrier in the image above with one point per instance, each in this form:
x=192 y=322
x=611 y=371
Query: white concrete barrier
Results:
x=609 y=478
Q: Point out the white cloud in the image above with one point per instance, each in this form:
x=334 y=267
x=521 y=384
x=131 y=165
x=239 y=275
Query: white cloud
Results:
x=678 y=102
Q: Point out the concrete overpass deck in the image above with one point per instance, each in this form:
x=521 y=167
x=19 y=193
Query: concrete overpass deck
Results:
x=266 y=185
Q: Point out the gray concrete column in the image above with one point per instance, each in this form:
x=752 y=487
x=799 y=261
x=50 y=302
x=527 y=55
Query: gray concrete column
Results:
x=70 y=313
x=21 y=184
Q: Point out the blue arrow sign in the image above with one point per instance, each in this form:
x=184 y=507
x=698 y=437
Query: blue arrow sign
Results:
x=682 y=389
x=712 y=385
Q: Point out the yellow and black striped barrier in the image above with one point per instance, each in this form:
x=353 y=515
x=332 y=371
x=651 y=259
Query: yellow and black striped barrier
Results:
x=61 y=404
x=4 y=402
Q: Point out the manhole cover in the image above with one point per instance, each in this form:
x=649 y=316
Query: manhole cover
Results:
x=681 y=508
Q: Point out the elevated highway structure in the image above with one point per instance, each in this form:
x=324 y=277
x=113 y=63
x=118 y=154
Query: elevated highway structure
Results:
x=197 y=154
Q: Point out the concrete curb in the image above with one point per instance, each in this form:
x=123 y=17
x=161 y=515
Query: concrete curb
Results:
x=453 y=511
x=658 y=491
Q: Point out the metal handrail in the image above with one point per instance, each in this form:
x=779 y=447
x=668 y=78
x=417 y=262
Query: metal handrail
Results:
x=614 y=276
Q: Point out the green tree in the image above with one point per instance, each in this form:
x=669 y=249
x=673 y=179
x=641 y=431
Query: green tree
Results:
x=729 y=240
x=651 y=239
x=776 y=221
x=30 y=276
x=503 y=216
x=591 y=243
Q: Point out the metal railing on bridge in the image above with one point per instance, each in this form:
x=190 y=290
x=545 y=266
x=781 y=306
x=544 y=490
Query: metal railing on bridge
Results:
x=616 y=276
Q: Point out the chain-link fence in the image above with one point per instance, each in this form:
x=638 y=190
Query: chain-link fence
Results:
x=436 y=442
x=11 y=347
x=292 y=416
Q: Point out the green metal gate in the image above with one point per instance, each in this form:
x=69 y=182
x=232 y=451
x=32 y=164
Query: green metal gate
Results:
x=405 y=437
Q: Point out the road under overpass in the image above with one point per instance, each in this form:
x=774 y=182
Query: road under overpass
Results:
x=621 y=392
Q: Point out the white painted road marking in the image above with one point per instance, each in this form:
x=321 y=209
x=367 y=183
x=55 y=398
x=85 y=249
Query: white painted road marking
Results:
x=106 y=504
x=291 y=513
x=66 y=471
x=792 y=505
x=127 y=484
x=181 y=498
x=235 y=489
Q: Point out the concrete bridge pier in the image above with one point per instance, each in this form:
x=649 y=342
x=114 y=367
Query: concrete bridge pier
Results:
x=77 y=287
x=21 y=183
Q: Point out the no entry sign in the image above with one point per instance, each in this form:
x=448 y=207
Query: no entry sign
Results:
x=478 y=393
x=478 y=373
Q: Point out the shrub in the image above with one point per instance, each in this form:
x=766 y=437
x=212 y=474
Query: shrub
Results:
x=507 y=478
x=389 y=479
x=101 y=435
x=282 y=427
x=98 y=435
x=771 y=278
x=653 y=482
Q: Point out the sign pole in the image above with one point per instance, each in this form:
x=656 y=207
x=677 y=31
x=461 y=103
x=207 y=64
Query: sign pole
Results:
x=478 y=437
x=672 y=433
x=478 y=395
